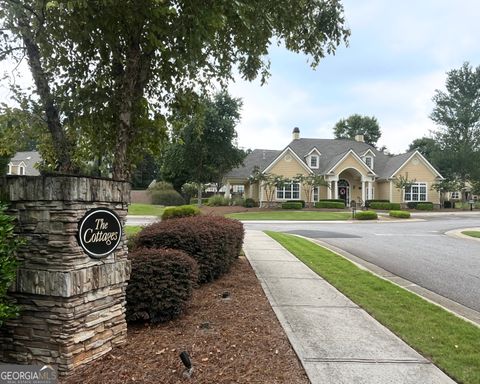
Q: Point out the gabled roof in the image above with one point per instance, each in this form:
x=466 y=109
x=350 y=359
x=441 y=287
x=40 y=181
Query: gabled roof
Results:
x=422 y=158
x=280 y=156
x=28 y=159
x=356 y=157
x=314 y=149
x=260 y=158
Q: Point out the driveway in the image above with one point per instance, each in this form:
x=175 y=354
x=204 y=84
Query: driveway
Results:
x=417 y=251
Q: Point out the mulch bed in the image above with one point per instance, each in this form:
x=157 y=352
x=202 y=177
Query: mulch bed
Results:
x=236 y=339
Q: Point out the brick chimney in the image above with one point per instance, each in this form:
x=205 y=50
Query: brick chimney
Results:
x=360 y=138
x=296 y=133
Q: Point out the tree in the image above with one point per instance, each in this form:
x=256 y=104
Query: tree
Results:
x=203 y=147
x=427 y=146
x=270 y=183
x=356 y=125
x=457 y=114
x=402 y=182
x=309 y=182
x=106 y=71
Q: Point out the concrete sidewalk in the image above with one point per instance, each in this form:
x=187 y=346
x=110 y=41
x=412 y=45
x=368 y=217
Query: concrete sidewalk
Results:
x=336 y=341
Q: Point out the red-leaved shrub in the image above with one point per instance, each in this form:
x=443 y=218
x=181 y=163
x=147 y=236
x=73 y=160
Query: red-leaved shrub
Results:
x=160 y=285
x=213 y=241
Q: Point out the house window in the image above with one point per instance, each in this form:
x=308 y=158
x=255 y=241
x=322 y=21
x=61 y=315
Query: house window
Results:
x=369 y=161
x=313 y=161
x=21 y=170
x=316 y=193
x=289 y=191
x=416 y=192
x=9 y=169
x=455 y=195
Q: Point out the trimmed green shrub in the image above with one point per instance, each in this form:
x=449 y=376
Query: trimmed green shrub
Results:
x=161 y=186
x=167 y=197
x=250 y=203
x=9 y=244
x=238 y=201
x=400 y=214
x=297 y=201
x=332 y=200
x=425 y=206
x=213 y=241
x=330 y=204
x=292 y=205
x=447 y=204
x=217 y=201
x=384 y=206
x=366 y=215
x=180 y=211
x=368 y=202
x=194 y=200
x=160 y=285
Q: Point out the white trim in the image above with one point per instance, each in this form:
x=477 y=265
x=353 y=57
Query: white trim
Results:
x=288 y=149
x=291 y=190
x=309 y=161
x=9 y=168
x=427 y=163
x=418 y=183
x=358 y=159
x=391 y=191
x=371 y=161
x=368 y=150
x=313 y=150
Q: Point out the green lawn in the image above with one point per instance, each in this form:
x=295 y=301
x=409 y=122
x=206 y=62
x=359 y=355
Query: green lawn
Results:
x=450 y=342
x=131 y=230
x=291 y=215
x=472 y=233
x=145 y=209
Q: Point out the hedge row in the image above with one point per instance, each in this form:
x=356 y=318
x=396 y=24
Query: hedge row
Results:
x=297 y=201
x=213 y=241
x=330 y=204
x=292 y=205
x=384 y=206
x=366 y=215
x=368 y=202
x=400 y=214
x=424 y=205
x=332 y=200
x=161 y=283
x=180 y=211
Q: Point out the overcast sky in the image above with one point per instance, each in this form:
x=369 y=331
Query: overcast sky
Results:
x=398 y=55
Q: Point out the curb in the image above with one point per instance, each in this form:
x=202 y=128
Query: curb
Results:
x=457 y=233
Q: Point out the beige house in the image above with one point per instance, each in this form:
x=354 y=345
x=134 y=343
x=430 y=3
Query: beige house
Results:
x=24 y=164
x=354 y=170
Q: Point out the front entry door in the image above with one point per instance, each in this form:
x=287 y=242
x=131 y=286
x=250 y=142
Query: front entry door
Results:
x=344 y=191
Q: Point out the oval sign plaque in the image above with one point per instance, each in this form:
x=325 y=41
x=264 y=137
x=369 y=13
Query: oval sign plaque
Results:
x=99 y=232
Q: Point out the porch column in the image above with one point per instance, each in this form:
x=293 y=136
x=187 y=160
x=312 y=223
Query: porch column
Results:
x=370 y=191
x=250 y=190
x=363 y=191
x=329 y=190
x=227 y=190
x=335 y=189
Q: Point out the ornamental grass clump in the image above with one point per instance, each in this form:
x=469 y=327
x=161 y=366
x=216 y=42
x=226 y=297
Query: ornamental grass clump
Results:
x=160 y=285
x=213 y=241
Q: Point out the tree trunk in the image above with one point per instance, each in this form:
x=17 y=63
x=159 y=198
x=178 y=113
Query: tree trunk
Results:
x=199 y=194
x=61 y=144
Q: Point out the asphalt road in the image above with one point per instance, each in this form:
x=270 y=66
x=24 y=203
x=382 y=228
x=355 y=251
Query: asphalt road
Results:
x=417 y=251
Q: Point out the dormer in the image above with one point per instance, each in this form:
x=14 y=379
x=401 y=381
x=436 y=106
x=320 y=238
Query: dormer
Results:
x=313 y=158
x=368 y=158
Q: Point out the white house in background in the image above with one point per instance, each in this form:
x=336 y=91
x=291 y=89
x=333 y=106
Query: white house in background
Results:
x=24 y=164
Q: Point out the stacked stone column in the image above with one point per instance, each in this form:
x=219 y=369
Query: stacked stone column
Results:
x=72 y=307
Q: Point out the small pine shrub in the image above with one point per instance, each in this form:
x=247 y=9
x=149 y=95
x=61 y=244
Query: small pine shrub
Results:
x=180 y=211
x=447 y=204
x=167 y=197
x=292 y=205
x=425 y=206
x=217 y=201
x=400 y=214
x=412 y=204
x=213 y=241
x=250 y=203
x=160 y=285
x=330 y=204
x=384 y=206
x=366 y=215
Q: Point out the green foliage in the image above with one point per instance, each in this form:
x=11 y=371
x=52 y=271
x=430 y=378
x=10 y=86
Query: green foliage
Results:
x=180 y=211
x=161 y=186
x=447 y=204
x=218 y=201
x=145 y=172
x=160 y=285
x=9 y=243
x=400 y=214
x=213 y=241
x=167 y=197
x=368 y=202
x=188 y=191
x=292 y=205
x=250 y=203
x=428 y=147
x=238 y=201
x=424 y=206
x=366 y=215
x=357 y=124
x=194 y=200
x=330 y=204
x=297 y=201
x=384 y=206
x=270 y=182
x=330 y=200
x=308 y=183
